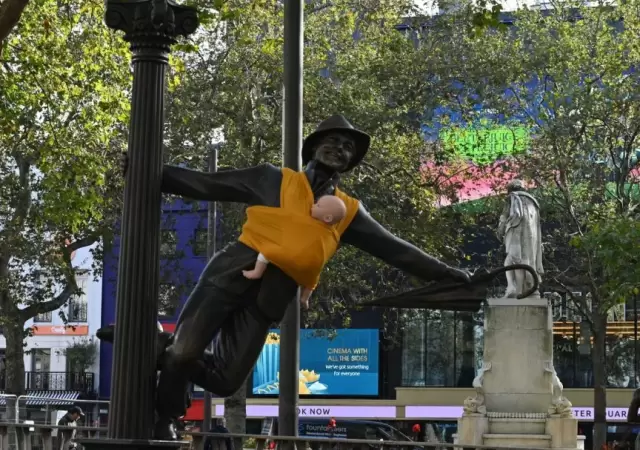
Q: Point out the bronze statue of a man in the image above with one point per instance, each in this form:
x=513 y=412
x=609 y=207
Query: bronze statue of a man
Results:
x=234 y=312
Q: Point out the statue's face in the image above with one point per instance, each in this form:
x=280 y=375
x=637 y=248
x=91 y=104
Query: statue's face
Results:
x=335 y=150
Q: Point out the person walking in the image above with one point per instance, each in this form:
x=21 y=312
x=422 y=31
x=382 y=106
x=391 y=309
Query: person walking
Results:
x=215 y=443
x=65 y=436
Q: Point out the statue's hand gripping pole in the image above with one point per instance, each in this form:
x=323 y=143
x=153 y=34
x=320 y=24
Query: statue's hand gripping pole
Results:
x=454 y=296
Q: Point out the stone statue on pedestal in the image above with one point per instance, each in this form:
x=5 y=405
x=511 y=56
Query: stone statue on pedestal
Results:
x=520 y=231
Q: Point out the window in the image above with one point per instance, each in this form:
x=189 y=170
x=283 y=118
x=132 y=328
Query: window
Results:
x=200 y=240
x=44 y=317
x=41 y=289
x=39 y=377
x=168 y=243
x=41 y=359
x=413 y=350
x=77 y=311
x=3 y=379
x=168 y=300
x=441 y=348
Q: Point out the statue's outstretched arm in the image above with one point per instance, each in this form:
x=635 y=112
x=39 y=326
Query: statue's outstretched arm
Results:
x=367 y=234
x=251 y=185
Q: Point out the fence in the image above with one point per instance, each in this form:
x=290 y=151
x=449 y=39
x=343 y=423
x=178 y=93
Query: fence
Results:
x=55 y=381
x=48 y=410
x=47 y=437
x=59 y=381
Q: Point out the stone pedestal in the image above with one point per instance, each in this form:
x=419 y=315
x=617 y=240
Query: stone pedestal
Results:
x=519 y=399
x=472 y=428
x=563 y=431
x=518 y=342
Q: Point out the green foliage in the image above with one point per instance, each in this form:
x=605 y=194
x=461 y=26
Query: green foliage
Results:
x=615 y=244
x=584 y=114
x=81 y=354
x=64 y=80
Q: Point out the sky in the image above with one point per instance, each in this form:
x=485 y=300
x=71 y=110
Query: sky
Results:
x=428 y=6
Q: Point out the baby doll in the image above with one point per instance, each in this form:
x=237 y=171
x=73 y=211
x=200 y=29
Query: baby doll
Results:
x=329 y=210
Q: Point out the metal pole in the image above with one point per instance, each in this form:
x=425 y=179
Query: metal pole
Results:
x=575 y=355
x=212 y=219
x=151 y=27
x=635 y=341
x=292 y=140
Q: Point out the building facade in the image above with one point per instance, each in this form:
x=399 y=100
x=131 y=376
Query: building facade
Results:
x=61 y=358
x=183 y=257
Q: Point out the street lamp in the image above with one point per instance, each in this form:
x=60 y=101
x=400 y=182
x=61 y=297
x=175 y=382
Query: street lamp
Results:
x=151 y=27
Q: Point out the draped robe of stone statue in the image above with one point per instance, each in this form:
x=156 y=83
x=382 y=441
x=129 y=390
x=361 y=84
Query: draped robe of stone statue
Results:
x=520 y=230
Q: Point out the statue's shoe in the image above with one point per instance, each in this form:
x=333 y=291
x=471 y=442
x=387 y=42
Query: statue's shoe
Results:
x=164 y=430
x=108 y=333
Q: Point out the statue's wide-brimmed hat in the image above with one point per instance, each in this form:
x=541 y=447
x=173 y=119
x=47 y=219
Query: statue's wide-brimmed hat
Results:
x=334 y=124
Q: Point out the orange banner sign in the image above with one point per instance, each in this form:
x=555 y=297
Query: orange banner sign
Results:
x=60 y=330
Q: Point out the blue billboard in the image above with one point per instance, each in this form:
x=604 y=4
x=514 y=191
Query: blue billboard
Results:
x=332 y=362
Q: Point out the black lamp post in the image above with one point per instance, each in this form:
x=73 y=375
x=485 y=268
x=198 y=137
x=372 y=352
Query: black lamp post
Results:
x=151 y=27
x=292 y=144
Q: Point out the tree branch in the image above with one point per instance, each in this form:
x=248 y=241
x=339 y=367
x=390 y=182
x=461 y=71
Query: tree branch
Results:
x=22 y=204
x=319 y=8
x=71 y=287
x=10 y=13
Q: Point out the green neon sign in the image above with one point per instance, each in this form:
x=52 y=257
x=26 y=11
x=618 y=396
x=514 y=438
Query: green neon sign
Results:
x=484 y=145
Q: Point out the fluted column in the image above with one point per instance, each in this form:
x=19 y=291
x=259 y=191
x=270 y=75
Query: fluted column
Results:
x=150 y=26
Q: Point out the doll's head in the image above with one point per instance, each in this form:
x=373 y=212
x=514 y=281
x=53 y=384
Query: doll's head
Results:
x=329 y=209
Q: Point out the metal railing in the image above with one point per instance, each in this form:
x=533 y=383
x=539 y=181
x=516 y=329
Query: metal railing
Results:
x=59 y=381
x=77 y=311
x=39 y=410
x=49 y=437
x=55 y=381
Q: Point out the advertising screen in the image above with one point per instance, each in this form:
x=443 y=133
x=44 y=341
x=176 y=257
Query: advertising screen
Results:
x=472 y=164
x=336 y=362
x=485 y=145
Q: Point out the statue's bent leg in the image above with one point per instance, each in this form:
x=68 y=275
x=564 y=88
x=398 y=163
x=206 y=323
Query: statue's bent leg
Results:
x=239 y=341
x=201 y=318
x=237 y=325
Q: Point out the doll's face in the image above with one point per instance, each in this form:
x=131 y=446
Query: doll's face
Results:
x=329 y=209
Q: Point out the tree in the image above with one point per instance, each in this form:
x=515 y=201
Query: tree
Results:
x=570 y=76
x=229 y=78
x=64 y=80
x=10 y=13
x=81 y=354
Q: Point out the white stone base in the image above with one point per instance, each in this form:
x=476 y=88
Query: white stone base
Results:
x=518 y=387
x=553 y=432
x=518 y=342
x=471 y=429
